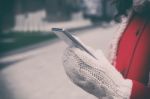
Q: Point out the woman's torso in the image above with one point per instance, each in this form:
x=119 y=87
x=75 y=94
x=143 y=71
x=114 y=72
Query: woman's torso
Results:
x=133 y=50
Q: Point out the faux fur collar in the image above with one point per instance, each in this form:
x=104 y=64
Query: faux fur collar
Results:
x=115 y=41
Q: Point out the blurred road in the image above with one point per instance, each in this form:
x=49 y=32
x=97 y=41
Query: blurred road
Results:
x=39 y=74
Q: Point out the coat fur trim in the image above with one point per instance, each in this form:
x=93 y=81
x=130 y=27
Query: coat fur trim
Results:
x=114 y=43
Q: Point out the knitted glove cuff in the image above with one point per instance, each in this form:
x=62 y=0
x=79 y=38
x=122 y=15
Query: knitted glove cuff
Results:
x=95 y=77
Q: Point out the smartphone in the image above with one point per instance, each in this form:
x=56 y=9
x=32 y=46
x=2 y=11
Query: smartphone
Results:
x=71 y=40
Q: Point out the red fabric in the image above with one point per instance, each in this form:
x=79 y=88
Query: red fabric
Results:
x=139 y=91
x=133 y=54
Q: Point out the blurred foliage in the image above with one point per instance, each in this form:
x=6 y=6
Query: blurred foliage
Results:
x=53 y=8
x=16 y=40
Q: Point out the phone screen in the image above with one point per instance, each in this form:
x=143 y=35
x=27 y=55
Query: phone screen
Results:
x=71 y=39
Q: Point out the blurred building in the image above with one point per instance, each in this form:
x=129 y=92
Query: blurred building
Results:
x=52 y=10
x=56 y=10
x=98 y=10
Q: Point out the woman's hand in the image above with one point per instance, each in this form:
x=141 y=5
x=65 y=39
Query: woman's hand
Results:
x=97 y=77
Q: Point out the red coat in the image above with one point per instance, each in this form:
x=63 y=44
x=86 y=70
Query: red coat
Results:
x=133 y=56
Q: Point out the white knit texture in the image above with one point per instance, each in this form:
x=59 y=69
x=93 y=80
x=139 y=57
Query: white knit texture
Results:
x=97 y=77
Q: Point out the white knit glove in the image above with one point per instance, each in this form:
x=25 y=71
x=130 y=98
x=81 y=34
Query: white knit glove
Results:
x=97 y=77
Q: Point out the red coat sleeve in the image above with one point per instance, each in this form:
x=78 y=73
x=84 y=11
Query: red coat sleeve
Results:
x=139 y=91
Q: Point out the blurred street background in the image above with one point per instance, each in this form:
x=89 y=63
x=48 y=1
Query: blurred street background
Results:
x=30 y=54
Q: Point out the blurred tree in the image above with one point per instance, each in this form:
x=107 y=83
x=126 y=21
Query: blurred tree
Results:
x=74 y=5
x=60 y=9
x=25 y=6
x=6 y=14
x=9 y=8
x=55 y=10
x=32 y=5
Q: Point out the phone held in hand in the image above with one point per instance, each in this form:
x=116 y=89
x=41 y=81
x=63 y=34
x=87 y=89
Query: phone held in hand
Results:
x=71 y=40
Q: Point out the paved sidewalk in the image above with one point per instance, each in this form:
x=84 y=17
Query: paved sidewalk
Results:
x=39 y=74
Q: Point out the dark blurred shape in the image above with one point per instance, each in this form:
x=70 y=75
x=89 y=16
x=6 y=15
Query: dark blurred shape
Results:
x=5 y=91
x=98 y=10
x=56 y=10
x=122 y=7
x=6 y=14
x=14 y=40
x=25 y=6
x=60 y=10
x=10 y=8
